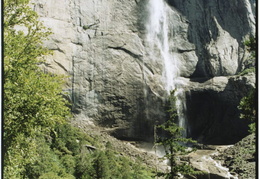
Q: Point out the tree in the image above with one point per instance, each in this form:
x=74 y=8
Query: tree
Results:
x=33 y=103
x=174 y=144
x=247 y=106
x=248 y=103
x=101 y=166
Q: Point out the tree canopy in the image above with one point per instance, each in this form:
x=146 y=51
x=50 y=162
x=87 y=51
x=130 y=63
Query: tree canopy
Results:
x=33 y=103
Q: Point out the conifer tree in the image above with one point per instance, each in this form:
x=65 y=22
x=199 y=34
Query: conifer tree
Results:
x=101 y=166
x=248 y=103
x=174 y=144
x=247 y=107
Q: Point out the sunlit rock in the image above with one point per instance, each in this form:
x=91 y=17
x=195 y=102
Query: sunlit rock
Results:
x=122 y=63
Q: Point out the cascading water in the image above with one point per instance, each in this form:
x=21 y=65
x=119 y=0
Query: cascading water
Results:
x=159 y=41
x=157 y=35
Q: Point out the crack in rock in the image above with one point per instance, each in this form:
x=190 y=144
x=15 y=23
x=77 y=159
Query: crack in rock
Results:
x=135 y=56
x=60 y=65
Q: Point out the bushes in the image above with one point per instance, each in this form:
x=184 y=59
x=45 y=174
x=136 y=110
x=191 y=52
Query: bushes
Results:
x=65 y=156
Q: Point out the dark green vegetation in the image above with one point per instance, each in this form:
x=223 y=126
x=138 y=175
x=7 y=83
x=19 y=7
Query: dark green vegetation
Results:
x=248 y=103
x=38 y=141
x=69 y=153
x=251 y=60
x=175 y=144
x=247 y=107
x=251 y=46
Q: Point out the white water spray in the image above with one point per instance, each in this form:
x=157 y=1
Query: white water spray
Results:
x=158 y=30
x=157 y=36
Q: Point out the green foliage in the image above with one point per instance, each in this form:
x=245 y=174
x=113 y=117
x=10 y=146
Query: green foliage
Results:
x=17 y=157
x=85 y=27
x=53 y=175
x=38 y=141
x=251 y=46
x=247 y=71
x=251 y=60
x=101 y=167
x=47 y=163
x=69 y=163
x=55 y=159
x=174 y=144
x=109 y=164
x=248 y=103
x=141 y=172
x=69 y=140
x=247 y=107
x=33 y=103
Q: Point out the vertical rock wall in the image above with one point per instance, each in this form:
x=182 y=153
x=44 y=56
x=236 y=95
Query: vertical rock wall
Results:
x=114 y=79
x=218 y=29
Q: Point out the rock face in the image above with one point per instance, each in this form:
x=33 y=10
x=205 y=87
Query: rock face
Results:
x=217 y=29
x=117 y=78
x=212 y=112
x=112 y=83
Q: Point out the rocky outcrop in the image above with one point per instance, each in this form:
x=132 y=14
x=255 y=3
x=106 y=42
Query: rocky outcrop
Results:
x=241 y=158
x=206 y=161
x=116 y=78
x=226 y=161
x=212 y=109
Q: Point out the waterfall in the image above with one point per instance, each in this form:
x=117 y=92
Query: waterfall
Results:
x=159 y=41
x=157 y=36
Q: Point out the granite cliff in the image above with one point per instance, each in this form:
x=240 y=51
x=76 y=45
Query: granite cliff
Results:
x=124 y=56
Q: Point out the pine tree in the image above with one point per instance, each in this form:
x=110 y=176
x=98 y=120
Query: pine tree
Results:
x=247 y=106
x=101 y=166
x=248 y=103
x=174 y=144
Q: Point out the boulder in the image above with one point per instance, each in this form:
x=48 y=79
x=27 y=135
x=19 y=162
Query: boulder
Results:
x=206 y=161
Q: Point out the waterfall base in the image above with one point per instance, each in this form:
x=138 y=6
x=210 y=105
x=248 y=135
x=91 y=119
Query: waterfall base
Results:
x=203 y=160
